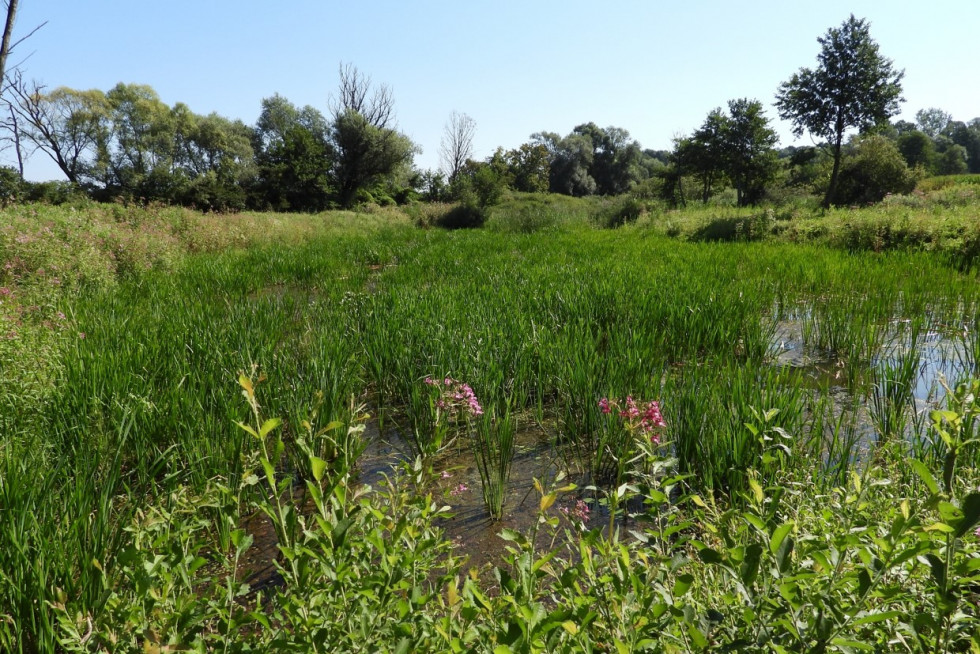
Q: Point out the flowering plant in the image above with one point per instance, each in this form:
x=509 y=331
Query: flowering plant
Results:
x=643 y=419
x=456 y=399
x=446 y=406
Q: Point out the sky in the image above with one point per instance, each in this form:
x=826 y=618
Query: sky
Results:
x=652 y=67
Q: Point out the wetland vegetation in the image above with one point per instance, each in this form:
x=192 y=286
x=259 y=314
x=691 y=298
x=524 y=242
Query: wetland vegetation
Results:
x=342 y=432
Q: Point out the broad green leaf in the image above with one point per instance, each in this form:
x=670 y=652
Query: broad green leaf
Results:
x=938 y=568
x=547 y=501
x=268 y=426
x=247 y=429
x=270 y=472
x=852 y=644
x=750 y=564
x=318 y=465
x=709 y=555
x=877 y=617
x=682 y=584
x=778 y=535
x=784 y=555
x=755 y=521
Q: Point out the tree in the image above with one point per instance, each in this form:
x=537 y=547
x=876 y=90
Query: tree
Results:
x=703 y=154
x=932 y=121
x=917 y=149
x=529 y=167
x=748 y=150
x=853 y=86
x=72 y=127
x=366 y=146
x=142 y=146
x=968 y=136
x=8 y=30
x=293 y=156
x=457 y=144
x=952 y=160
x=615 y=158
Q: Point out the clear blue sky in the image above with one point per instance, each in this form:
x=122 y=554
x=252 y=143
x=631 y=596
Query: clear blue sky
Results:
x=652 y=67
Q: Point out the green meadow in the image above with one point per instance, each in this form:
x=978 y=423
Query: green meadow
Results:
x=169 y=380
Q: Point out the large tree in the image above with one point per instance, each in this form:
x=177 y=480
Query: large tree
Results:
x=853 y=86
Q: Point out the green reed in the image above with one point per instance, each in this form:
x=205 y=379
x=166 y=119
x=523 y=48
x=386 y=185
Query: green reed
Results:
x=493 y=448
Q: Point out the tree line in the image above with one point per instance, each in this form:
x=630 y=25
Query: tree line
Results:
x=126 y=143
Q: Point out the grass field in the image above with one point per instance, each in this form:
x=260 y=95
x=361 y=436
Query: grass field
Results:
x=795 y=359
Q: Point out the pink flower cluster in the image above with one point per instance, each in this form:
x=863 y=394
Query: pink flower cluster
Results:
x=455 y=397
x=643 y=418
x=580 y=511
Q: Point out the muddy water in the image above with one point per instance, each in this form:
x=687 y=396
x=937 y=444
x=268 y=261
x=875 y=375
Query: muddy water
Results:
x=457 y=485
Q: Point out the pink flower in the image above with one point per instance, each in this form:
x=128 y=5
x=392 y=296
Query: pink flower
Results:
x=445 y=474
x=579 y=512
x=81 y=334
x=455 y=397
x=459 y=490
x=639 y=418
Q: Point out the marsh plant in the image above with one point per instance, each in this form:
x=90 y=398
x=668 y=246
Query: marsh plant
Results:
x=493 y=448
x=456 y=412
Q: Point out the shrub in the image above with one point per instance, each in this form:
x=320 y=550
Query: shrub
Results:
x=619 y=212
x=463 y=216
x=872 y=170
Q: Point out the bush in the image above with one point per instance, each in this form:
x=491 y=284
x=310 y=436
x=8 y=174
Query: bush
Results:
x=463 y=216
x=622 y=211
x=873 y=169
x=53 y=192
x=11 y=185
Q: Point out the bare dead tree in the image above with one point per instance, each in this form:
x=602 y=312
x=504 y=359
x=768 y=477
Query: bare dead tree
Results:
x=355 y=93
x=457 y=143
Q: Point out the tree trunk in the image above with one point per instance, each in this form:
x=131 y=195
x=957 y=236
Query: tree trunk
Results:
x=5 y=44
x=831 y=195
x=15 y=129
